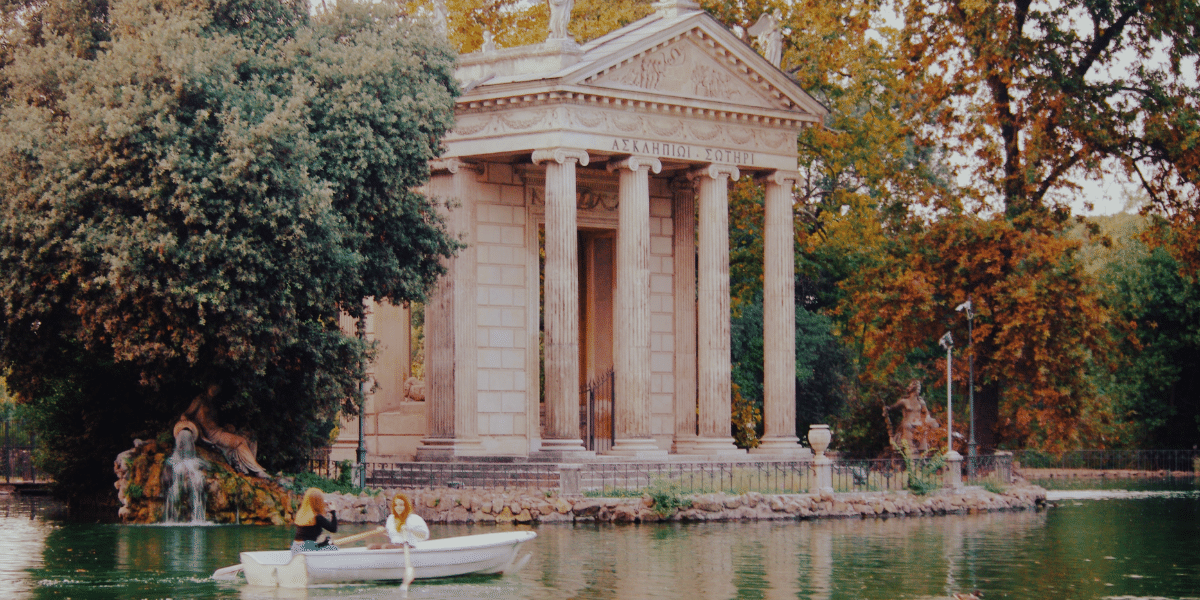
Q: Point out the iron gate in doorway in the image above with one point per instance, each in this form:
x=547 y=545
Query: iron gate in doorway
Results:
x=596 y=412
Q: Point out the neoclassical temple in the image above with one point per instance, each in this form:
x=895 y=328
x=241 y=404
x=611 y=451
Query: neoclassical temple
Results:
x=614 y=159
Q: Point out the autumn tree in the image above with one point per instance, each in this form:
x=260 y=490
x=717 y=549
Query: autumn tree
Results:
x=1041 y=95
x=196 y=200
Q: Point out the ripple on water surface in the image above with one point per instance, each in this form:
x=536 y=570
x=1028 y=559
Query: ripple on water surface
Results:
x=1121 y=547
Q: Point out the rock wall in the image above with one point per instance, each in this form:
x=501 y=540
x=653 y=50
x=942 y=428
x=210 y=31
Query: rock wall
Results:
x=532 y=506
x=231 y=497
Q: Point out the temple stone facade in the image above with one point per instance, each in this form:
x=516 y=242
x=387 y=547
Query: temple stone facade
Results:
x=614 y=160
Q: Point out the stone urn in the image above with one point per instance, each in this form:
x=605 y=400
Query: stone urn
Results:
x=818 y=438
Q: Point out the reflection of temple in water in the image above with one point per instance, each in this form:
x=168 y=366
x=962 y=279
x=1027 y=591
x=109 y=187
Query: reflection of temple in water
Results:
x=618 y=154
x=822 y=559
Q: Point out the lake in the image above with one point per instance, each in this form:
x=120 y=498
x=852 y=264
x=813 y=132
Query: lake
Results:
x=1112 y=544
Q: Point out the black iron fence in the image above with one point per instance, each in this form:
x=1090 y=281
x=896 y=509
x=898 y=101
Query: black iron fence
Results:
x=619 y=478
x=774 y=477
x=596 y=412
x=488 y=475
x=1132 y=460
x=19 y=442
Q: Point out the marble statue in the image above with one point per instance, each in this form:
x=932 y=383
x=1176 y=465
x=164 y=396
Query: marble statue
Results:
x=238 y=451
x=441 y=17
x=560 y=17
x=414 y=390
x=917 y=424
x=770 y=36
x=489 y=42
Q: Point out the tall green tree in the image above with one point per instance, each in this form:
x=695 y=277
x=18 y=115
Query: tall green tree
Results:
x=196 y=200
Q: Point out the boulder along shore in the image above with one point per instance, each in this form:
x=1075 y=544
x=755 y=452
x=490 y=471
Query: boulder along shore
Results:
x=450 y=505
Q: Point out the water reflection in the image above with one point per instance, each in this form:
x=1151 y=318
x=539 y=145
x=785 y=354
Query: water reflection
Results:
x=23 y=538
x=1083 y=549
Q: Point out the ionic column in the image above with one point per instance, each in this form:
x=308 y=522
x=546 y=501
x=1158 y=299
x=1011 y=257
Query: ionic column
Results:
x=631 y=314
x=562 y=300
x=712 y=304
x=684 y=215
x=779 y=319
x=450 y=339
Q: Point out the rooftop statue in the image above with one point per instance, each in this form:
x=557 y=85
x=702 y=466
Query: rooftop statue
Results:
x=770 y=36
x=441 y=17
x=560 y=17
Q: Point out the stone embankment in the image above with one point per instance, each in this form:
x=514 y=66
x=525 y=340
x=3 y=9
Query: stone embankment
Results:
x=1031 y=474
x=531 y=506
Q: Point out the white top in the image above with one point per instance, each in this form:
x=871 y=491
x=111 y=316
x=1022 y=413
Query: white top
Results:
x=414 y=530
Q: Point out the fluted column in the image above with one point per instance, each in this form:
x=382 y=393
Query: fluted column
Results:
x=779 y=319
x=631 y=352
x=712 y=307
x=450 y=342
x=684 y=216
x=562 y=300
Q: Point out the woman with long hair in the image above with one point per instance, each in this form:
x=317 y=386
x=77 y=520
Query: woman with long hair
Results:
x=311 y=521
x=405 y=527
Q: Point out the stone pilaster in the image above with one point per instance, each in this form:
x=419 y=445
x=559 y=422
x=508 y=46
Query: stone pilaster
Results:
x=684 y=215
x=631 y=315
x=779 y=320
x=450 y=344
x=561 y=308
x=712 y=307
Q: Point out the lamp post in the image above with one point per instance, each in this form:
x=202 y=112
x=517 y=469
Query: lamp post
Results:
x=953 y=473
x=947 y=342
x=362 y=413
x=966 y=306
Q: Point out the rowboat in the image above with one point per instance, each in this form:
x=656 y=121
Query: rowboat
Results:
x=487 y=553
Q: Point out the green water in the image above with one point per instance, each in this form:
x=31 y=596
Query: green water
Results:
x=1137 y=545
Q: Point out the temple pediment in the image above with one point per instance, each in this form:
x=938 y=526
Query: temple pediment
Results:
x=677 y=85
x=689 y=69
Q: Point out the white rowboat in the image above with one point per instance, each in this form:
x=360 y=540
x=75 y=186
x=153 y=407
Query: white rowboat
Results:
x=488 y=553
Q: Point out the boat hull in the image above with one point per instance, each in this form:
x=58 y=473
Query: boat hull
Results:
x=488 y=553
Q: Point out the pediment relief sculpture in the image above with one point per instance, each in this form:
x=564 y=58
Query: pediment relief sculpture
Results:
x=685 y=69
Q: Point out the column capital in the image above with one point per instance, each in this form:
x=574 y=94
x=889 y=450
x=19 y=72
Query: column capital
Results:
x=451 y=165
x=636 y=163
x=560 y=156
x=715 y=171
x=782 y=177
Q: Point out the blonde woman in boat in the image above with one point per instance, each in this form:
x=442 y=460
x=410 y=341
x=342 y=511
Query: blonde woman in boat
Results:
x=311 y=521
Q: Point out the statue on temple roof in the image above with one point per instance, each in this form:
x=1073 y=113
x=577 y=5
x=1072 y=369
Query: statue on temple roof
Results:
x=441 y=17
x=560 y=18
x=769 y=32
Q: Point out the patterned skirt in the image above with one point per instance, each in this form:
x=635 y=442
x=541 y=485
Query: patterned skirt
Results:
x=310 y=546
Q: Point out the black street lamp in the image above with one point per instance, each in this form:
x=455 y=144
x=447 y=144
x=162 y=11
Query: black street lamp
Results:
x=966 y=306
x=947 y=342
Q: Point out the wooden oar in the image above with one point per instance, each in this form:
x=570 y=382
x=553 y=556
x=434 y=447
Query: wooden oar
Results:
x=231 y=571
x=359 y=536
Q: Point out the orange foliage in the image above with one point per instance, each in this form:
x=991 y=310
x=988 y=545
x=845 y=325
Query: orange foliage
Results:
x=1038 y=323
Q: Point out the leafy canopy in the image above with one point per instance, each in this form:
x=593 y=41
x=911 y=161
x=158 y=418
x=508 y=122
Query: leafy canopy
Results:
x=195 y=200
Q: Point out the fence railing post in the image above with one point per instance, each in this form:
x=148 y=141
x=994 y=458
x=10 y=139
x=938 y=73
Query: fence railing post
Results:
x=569 y=480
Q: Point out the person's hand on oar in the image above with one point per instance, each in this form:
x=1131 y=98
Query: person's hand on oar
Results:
x=406 y=528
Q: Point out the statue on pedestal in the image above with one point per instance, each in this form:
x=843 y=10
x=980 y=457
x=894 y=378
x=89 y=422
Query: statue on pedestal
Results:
x=916 y=425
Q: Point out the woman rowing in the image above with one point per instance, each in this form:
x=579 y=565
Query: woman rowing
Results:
x=404 y=527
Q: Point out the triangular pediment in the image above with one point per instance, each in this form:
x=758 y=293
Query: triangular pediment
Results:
x=689 y=68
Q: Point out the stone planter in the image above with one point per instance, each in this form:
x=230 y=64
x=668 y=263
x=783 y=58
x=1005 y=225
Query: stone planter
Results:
x=819 y=438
